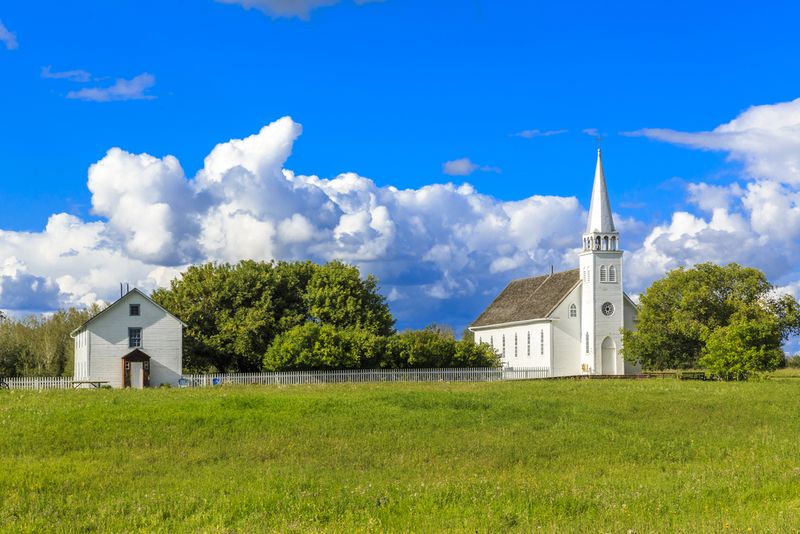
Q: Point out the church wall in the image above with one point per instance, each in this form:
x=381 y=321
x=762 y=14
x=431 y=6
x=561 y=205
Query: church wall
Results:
x=539 y=333
x=630 y=324
x=567 y=336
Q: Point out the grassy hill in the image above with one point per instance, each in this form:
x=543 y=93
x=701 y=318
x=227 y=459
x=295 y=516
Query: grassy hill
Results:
x=601 y=456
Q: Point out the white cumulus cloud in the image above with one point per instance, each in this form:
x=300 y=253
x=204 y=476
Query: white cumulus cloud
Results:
x=756 y=223
x=439 y=250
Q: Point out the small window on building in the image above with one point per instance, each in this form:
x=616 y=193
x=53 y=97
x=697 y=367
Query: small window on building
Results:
x=504 y=345
x=573 y=310
x=602 y=273
x=134 y=309
x=612 y=274
x=491 y=341
x=515 y=345
x=541 y=342
x=134 y=337
x=529 y=343
x=587 y=342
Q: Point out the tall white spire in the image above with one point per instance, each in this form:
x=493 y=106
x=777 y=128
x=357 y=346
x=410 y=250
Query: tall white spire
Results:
x=600 y=219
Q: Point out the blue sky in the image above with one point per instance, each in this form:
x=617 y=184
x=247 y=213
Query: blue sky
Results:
x=392 y=91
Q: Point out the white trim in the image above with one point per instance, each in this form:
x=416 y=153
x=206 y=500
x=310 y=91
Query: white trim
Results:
x=513 y=323
x=566 y=294
x=113 y=304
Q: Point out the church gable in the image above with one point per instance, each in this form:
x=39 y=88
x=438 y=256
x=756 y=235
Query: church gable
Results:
x=529 y=298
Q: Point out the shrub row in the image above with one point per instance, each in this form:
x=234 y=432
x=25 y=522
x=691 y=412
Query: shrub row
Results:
x=322 y=346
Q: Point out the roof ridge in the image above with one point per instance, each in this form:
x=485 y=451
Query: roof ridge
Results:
x=545 y=275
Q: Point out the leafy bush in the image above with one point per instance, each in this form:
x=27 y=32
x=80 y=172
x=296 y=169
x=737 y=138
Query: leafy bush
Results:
x=744 y=348
x=793 y=361
x=322 y=346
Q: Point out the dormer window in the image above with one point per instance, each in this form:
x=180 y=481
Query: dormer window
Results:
x=134 y=310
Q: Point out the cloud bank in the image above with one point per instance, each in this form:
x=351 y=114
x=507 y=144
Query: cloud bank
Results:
x=440 y=251
x=756 y=222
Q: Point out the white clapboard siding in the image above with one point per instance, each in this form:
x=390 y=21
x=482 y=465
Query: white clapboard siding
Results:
x=106 y=342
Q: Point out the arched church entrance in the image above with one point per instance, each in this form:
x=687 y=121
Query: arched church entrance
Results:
x=609 y=356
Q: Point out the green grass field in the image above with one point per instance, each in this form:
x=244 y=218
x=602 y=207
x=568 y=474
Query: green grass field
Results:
x=597 y=456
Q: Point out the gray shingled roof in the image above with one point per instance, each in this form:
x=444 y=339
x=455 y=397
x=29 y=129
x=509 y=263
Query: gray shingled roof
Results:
x=529 y=298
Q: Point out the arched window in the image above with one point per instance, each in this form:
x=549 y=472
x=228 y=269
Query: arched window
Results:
x=612 y=274
x=613 y=243
x=603 y=273
x=597 y=243
x=587 y=342
x=605 y=242
x=541 y=342
x=573 y=310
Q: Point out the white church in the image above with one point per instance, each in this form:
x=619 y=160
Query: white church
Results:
x=570 y=321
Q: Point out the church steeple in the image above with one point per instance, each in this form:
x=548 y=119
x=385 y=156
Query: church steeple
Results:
x=600 y=231
x=600 y=218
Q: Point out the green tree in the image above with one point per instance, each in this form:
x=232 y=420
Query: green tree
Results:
x=684 y=312
x=744 y=348
x=336 y=295
x=235 y=312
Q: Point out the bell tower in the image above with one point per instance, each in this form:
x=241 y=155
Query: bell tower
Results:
x=602 y=293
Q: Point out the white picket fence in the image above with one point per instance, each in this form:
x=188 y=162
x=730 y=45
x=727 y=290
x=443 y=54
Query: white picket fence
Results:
x=39 y=382
x=287 y=378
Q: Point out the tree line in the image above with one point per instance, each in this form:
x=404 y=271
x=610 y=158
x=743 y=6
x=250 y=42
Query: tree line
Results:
x=40 y=345
x=275 y=316
x=255 y=316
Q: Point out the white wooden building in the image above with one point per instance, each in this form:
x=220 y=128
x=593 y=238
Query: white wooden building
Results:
x=132 y=343
x=569 y=321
